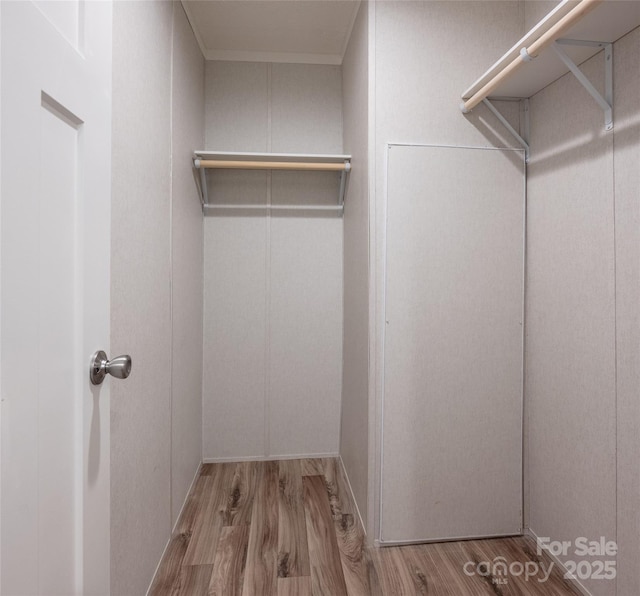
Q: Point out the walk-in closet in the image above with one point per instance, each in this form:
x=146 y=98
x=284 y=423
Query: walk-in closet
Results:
x=319 y=297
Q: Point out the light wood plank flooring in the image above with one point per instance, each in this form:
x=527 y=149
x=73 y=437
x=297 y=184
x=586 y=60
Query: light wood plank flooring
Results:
x=290 y=528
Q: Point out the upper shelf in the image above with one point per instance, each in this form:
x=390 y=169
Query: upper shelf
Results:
x=296 y=161
x=204 y=160
x=606 y=22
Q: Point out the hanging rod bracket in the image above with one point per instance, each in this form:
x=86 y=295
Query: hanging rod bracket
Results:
x=508 y=126
x=525 y=55
x=606 y=102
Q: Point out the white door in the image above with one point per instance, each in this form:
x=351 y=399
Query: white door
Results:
x=453 y=345
x=54 y=300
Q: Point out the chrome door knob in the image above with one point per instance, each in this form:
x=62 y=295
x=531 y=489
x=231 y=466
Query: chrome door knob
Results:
x=100 y=367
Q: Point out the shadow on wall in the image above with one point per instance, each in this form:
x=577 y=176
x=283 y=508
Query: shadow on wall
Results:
x=559 y=157
x=312 y=195
x=570 y=154
x=262 y=210
x=95 y=439
x=493 y=130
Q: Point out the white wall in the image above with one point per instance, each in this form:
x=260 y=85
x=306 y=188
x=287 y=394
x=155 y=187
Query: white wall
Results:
x=156 y=282
x=536 y=10
x=626 y=138
x=273 y=285
x=0 y=307
x=582 y=358
x=354 y=436
x=452 y=415
x=186 y=260
x=426 y=54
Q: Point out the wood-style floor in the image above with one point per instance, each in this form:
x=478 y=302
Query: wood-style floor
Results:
x=289 y=528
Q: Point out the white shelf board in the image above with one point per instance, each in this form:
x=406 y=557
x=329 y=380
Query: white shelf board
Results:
x=608 y=22
x=296 y=157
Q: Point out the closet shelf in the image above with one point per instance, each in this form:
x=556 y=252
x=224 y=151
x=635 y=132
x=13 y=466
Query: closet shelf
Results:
x=574 y=31
x=596 y=20
x=203 y=160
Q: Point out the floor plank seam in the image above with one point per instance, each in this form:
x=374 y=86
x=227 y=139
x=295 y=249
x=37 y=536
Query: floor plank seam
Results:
x=291 y=528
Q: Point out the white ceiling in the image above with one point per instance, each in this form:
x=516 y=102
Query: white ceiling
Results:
x=307 y=31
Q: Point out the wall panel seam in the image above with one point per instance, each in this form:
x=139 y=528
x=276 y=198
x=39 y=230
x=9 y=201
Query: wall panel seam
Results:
x=375 y=427
x=615 y=334
x=267 y=346
x=171 y=338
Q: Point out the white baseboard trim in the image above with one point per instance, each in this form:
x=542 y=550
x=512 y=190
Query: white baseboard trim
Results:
x=384 y=543
x=175 y=525
x=230 y=460
x=186 y=497
x=574 y=580
x=353 y=499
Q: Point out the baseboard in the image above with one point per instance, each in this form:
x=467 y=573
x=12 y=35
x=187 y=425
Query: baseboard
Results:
x=186 y=497
x=175 y=525
x=353 y=499
x=444 y=539
x=230 y=460
x=574 y=580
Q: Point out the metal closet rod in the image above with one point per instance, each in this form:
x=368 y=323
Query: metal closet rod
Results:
x=526 y=54
x=271 y=165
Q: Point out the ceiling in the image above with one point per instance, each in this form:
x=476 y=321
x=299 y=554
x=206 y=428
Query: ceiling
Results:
x=305 y=31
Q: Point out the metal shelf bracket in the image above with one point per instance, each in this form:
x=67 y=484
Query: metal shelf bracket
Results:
x=343 y=182
x=204 y=192
x=606 y=102
x=508 y=126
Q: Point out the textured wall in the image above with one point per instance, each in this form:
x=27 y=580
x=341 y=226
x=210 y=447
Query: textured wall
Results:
x=354 y=436
x=626 y=141
x=187 y=131
x=140 y=292
x=186 y=261
x=582 y=314
x=273 y=284
x=453 y=344
x=146 y=419
x=536 y=10
x=426 y=54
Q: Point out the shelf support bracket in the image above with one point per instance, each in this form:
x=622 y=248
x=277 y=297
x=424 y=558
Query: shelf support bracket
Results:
x=204 y=193
x=508 y=126
x=606 y=102
x=343 y=183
